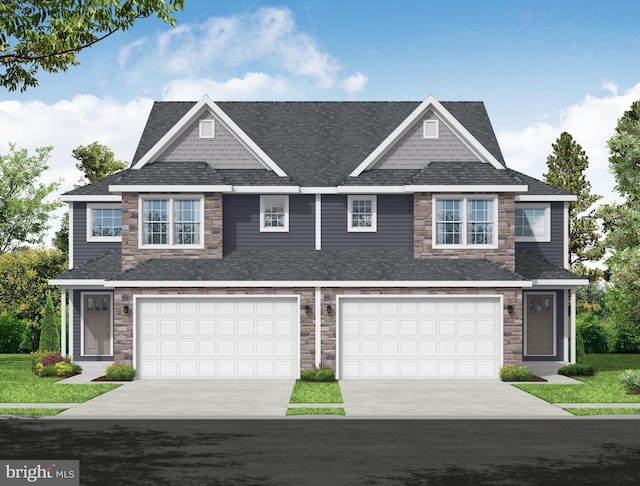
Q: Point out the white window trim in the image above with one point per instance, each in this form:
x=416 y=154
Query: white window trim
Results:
x=90 y=208
x=425 y=131
x=464 y=198
x=208 y=121
x=141 y=199
x=547 y=222
x=374 y=214
x=274 y=229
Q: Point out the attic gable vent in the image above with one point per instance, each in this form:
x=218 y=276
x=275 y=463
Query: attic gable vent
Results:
x=207 y=128
x=430 y=129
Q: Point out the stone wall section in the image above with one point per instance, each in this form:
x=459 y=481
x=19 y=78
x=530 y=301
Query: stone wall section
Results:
x=133 y=253
x=504 y=255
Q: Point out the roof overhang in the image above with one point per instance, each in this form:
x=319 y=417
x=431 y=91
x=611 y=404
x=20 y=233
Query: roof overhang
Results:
x=91 y=198
x=545 y=198
x=559 y=282
x=322 y=283
x=464 y=188
x=170 y=188
x=69 y=282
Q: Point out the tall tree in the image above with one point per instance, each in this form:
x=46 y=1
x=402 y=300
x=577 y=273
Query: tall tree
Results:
x=97 y=161
x=47 y=35
x=567 y=165
x=24 y=211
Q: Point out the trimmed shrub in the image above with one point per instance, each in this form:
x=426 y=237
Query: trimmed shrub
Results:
x=325 y=374
x=307 y=375
x=51 y=359
x=576 y=370
x=515 y=373
x=630 y=380
x=49 y=335
x=11 y=332
x=120 y=372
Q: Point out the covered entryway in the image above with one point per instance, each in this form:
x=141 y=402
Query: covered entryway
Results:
x=96 y=330
x=217 y=337
x=420 y=337
x=540 y=324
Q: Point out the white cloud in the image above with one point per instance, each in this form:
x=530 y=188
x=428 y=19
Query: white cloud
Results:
x=591 y=122
x=355 y=83
x=252 y=86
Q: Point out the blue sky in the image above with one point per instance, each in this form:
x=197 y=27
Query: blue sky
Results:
x=540 y=67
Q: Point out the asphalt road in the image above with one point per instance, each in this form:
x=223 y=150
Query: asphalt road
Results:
x=333 y=452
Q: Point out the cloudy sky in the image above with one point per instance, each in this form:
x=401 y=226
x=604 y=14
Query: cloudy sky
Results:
x=541 y=67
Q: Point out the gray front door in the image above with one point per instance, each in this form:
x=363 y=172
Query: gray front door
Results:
x=540 y=327
x=97 y=324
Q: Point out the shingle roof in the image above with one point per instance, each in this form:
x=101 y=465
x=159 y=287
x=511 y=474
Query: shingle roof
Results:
x=456 y=173
x=325 y=265
x=98 y=188
x=537 y=187
x=104 y=267
x=534 y=267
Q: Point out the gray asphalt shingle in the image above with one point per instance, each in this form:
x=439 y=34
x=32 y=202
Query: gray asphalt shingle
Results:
x=535 y=267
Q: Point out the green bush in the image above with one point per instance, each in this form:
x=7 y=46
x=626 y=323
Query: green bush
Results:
x=630 y=380
x=325 y=374
x=52 y=364
x=120 y=372
x=581 y=357
x=515 y=373
x=576 y=370
x=595 y=334
x=11 y=332
x=49 y=335
x=307 y=375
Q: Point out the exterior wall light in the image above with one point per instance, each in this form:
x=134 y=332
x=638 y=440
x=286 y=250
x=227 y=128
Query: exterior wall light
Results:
x=329 y=309
x=510 y=309
x=125 y=308
x=307 y=309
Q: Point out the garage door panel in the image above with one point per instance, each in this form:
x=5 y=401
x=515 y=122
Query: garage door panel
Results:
x=429 y=337
x=218 y=337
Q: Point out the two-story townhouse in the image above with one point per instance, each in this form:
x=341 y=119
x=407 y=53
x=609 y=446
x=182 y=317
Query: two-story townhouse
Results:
x=379 y=239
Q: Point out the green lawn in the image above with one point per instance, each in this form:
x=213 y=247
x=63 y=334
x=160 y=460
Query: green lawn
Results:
x=315 y=411
x=316 y=392
x=31 y=411
x=604 y=387
x=603 y=411
x=19 y=385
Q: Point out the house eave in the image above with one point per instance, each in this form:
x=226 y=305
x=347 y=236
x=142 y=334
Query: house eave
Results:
x=545 y=198
x=321 y=283
x=91 y=198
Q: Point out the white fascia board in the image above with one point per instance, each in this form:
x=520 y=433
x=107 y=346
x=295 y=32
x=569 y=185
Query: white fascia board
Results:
x=207 y=103
x=560 y=282
x=91 y=198
x=430 y=103
x=371 y=189
x=264 y=189
x=542 y=198
x=170 y=188
x=321 y=283
x=79 y=283
x=319 y=190
x=463 y=188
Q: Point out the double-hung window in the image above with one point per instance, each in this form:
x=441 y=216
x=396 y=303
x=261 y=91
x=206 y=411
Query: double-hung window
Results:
x=274 y=213
x=104 y=222
x=361 y=213
x=172 y=221
x=533 y=222
x=465 y=221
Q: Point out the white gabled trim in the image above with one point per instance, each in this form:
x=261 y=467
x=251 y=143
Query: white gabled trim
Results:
x=91 y=198
x=71 y=235
x=171 y=188
x=565 y=238
x=319 y=190
x=79 y=283
x=542 y=198
x=264 y=189
x=463 y=188
x=318 y=217
x=559 y=282
x=371 y=189
x=207 y=103
x=447 y=118
x=320 y=283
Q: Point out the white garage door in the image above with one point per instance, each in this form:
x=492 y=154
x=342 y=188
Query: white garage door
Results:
x=218 y=337
x=425 y=337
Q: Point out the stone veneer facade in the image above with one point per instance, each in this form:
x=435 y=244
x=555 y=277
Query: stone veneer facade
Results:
x=133 y=254
x=504 y=255
x=512 y=333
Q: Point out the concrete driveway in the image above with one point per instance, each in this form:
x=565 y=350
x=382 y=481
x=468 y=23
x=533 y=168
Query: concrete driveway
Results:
x=270 y=399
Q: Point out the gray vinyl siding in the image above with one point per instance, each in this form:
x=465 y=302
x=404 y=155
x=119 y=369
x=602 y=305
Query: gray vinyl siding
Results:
x=413 y=151
x=394 y=223
x=554 y=249
x=83 y=250
x=77 y=303
x=241 y=224
x=559 y=356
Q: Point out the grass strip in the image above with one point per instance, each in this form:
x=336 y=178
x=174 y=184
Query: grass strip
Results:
x=316 y=392
x=603 y=411
x=31 y=411
x=315 y=411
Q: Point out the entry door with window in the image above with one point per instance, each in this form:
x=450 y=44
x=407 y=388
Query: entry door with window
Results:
x=97 y=324
x=540 y=328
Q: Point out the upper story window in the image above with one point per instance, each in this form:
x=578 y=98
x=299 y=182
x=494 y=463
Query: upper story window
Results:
x=104 y=222
x=274 y=213
x=465 y=221
x=361 y=213
x=533 y=222
x=207 y=128
x=172 y=221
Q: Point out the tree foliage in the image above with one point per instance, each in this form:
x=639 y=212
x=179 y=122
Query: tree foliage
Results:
x=567 y=165
x=49 y=335
x=24 y=211
x=97 y=161
x=47 y=35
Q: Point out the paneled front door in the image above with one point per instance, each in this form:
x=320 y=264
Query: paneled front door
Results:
x=97 y=324
x=539 y=322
